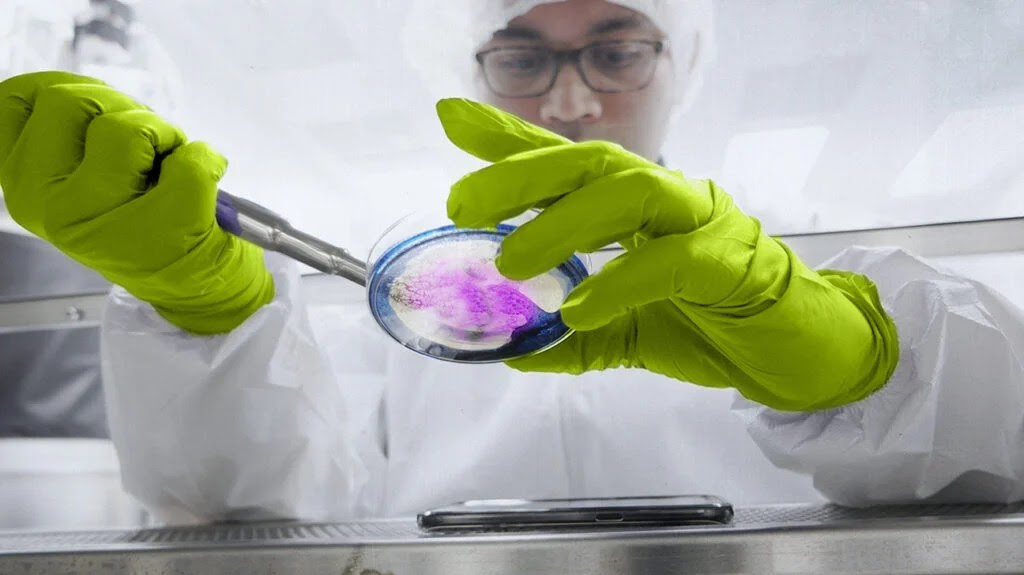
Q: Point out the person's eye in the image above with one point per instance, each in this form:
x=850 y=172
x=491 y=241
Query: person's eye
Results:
x=518 y=63
x=616 y=56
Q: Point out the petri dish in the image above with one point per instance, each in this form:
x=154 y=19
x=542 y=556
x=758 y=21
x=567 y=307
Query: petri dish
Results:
x=436 y=290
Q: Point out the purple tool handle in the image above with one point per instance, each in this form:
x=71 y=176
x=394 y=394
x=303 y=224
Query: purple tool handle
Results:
x=227 y=215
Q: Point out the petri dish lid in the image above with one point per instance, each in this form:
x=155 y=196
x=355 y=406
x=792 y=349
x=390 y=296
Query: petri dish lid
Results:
x=440 y=294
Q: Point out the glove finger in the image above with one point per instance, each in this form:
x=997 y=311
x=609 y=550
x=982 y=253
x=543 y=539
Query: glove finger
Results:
x=535 y=178
x=651 y=202
x=159 y=226
x=186 y=191
x=123 y=150
x=17 y=100
x=489 y=133
x=52 y=144
x=609 y=346
x=650 y=273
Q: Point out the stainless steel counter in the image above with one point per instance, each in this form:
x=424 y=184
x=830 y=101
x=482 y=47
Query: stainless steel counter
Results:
x=787 y=539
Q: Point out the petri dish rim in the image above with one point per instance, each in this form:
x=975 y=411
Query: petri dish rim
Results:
x=575 y=270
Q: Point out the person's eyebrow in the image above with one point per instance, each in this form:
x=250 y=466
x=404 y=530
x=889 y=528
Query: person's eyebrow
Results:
x=603 y=27
x=617 y=25
x=518 y=33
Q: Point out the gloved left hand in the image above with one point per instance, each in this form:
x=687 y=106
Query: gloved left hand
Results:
x=701 y=294
x=118 y=188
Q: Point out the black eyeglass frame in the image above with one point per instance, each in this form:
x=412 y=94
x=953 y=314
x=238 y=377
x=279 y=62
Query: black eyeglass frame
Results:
x=575 y=58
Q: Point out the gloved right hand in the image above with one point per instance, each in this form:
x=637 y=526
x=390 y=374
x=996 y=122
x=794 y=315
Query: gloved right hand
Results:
x=122 y=191
x=701 y=294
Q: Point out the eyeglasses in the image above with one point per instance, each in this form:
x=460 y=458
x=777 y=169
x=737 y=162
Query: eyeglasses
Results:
x=607 y=67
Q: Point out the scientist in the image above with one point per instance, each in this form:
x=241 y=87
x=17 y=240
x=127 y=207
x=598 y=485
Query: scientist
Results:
x=881 y=378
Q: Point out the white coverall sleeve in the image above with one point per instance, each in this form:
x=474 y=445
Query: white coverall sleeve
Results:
x=242 y=426
x=949 y=424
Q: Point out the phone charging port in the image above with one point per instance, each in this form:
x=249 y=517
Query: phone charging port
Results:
x=608 y=517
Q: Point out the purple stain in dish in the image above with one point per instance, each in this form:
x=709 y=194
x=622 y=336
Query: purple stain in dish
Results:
x=471 y=299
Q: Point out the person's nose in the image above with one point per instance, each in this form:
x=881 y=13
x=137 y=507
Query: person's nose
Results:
x=570 y=99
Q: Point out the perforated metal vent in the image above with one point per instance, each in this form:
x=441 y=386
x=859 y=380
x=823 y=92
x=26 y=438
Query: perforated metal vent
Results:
x=351 y=533
x=341 y=532
x=74 y=539
x=368 y=532
x=781 y=515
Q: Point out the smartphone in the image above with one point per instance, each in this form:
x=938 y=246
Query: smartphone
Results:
x=656 y=511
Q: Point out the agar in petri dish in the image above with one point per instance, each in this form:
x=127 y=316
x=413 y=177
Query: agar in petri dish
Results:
x=440 y=294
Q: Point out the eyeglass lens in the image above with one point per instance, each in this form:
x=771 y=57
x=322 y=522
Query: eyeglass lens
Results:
x=607 y=67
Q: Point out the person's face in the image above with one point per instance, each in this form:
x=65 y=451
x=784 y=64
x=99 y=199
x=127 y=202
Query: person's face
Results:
x=637 y=119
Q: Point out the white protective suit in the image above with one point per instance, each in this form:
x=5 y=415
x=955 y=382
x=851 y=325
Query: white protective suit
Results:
x=311 y=412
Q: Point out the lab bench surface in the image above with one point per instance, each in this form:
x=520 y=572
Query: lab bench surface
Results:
x=775 y=539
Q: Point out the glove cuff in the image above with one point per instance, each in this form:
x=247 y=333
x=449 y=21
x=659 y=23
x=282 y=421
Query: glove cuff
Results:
x=827 y=338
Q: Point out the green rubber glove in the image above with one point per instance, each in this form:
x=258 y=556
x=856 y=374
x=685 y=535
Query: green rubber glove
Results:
x=701 y=294
x=114 y=186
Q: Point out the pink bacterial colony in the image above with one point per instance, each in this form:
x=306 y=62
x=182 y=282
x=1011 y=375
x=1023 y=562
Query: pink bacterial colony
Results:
x=470 y=297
